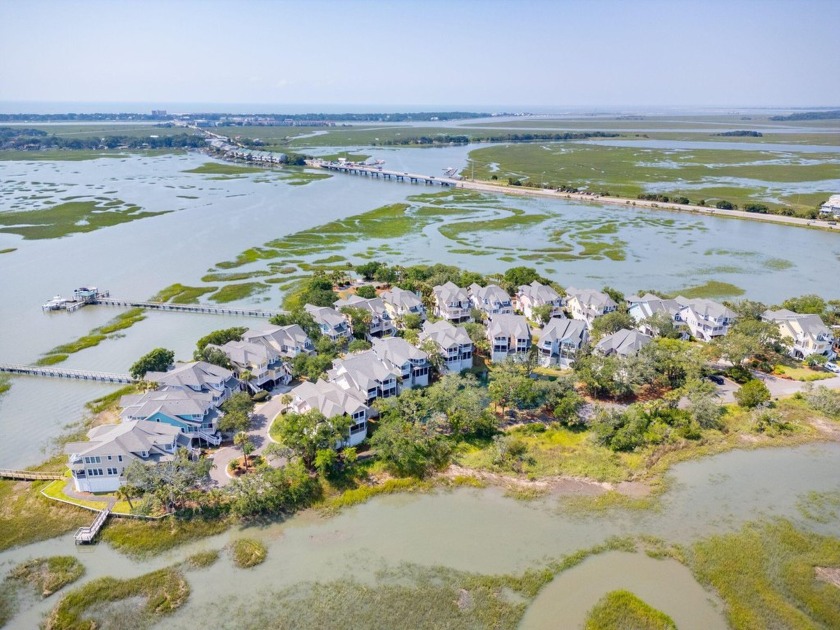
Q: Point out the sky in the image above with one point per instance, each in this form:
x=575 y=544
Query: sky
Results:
x=526 y=55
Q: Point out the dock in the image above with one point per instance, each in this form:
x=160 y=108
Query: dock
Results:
x=28 y=475
x=187 y=308
x=86 y=535
x=54 y=372
x=374 y=171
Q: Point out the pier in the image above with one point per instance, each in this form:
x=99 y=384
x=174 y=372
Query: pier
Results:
x=28 y=475
x=86 y=535
x=54 y=372
x=352 y=168
x=188 y=308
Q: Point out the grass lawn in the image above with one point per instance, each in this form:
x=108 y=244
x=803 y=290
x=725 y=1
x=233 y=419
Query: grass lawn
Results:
x=801 y=373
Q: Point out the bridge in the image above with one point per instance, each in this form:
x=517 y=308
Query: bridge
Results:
x=188 y=308
x=352 y=168
x=54 y=372
x=28 y=475
x=85 y=535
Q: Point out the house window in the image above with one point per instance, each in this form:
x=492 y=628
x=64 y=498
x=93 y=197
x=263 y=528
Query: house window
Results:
x=112 y=471
x=119 y=458
x=357 y=428
x=109 y=458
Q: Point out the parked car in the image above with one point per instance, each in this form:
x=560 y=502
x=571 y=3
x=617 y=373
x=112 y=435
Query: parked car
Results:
x=832 y=367
x=717 y=379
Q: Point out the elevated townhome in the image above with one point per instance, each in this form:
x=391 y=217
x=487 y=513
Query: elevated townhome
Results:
x=367 y=373
x=530 y=296
x=587 y=304
x=412 y=362
x=381 y=324
x=452 y=303
x=831 y=208
x=455 y=344
x=332 y=401
x=706 y=319
x=560 y=342
x=509 y=337
x=623 y=343
x=198 y=377
x=98 y=465
x=644 y=307
x=491 y=300
x=286 y=341
x=332 y=323
x=264 y=365
x=401 y=303
x=808 y=333
x=192 y=413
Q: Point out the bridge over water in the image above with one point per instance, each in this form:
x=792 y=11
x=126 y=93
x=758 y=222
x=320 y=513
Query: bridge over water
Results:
x=352 y=168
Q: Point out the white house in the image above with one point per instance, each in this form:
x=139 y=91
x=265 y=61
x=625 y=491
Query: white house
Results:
x=366 y=373
x=561 y=340
x=98 y=465
x=198 y=377
x=808 y=333
x=452 y=303
x=412 y=362
x=530 y=296
x=588 y=304
x=331 y=323
x=831 y=208
x=509 y=337
x=401 y=303
x=381 y=324
x=706 y=319
x=455 y=344
x=265 y=365
x=286 y=341
x=645 y=307
x=623 y=343
x=491 y=300
x=332 y=400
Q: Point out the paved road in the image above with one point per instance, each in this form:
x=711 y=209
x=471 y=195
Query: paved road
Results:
x=264 y=414
x=784 y=387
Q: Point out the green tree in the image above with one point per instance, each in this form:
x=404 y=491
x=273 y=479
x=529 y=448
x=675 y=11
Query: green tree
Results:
x=412 y=321
x=463 y=404
x=243 y=441
x=752 y=394
x=616 y=295
x=366 y=291
x=171 y=481
x=511 y=386
x=158 y=360
x=237 y=413
x=611 y=323
x=357 y=345
x=273 y=490
x=542 y=313
x=807 y=305
x=409 y=449
x=663 y=325
x=360 y=320
x=219 y=338
x=307 y=433
x=214 y=356
x=326 y=460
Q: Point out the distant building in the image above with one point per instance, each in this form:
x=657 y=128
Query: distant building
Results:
x=808 y=333
x=623 y=343
x=588 y=304
x=534 y=295
x=831 y=207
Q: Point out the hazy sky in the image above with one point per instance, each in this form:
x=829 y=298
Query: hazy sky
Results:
x=516 y=53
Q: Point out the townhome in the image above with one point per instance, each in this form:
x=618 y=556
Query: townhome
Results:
x=99 y=464
x=333 y=324
x=706 y=319
x=261 y=362
x=509 y=337
x=287 y=341
x=198 y=377
x=192 y=413
x=588 y=304
x=831 y=208
x=623 y=343
x=412 y=362
x=381 y=324
x=333 y=401
x=560 y=342
x=643 y=308
x=536 y=294
x=808 y=333
x=452 y=303
x=491 y=300
x=455 y=345
x=367 y=373
x=401 y=303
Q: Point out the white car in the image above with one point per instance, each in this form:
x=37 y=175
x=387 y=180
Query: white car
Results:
x=832 y=367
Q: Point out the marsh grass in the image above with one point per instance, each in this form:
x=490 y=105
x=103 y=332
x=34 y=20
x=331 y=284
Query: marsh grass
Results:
x=48 y=575
x=96 y=336
x=248 y=552
x=622 y=610
x=181 y=294
x=5 y=384
x=141 y=538
x=161 y=592
x=26 y=516
x=711 y=289
x=234 y=292
x=202 y=559
x=765 y=574
x=820 y=507
x=220 y=168
x=8 y=250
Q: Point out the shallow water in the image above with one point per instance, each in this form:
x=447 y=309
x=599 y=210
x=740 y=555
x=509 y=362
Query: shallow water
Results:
x=483 y=531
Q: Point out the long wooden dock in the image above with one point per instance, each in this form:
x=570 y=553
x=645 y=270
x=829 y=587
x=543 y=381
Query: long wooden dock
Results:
x=54 y=372
x=28 y=475
x=86 y=535
x=188 y=308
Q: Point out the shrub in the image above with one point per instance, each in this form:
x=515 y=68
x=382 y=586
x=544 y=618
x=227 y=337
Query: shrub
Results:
x=248 y=553
x=752 y=394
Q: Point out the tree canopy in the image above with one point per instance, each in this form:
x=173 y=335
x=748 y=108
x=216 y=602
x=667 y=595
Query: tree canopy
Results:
x=158 y=360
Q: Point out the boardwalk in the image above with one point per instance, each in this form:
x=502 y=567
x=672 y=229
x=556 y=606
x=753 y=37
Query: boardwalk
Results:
x=351 y=168
x=27 y=475
x=54 y=372
x=189 y=308
x=86 y=535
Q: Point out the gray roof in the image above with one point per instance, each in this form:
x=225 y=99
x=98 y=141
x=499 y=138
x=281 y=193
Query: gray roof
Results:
x=326 y=315
x=171 y=402
x=126 y=438
x=363 y=370
x=706 y=309
x=401 y=299
x=397 y=351
x=799 y=325
x=374 y=305
x=330 y=399
x=650 y=304
x=624 y=342
x=490 y=294
x=572 y=331
x=194 y=375
x=591 y=298
x=510 y=326
x=539 y=293
x=247 y=353
x=444 y=334
x=450 y=293
x=278 y=336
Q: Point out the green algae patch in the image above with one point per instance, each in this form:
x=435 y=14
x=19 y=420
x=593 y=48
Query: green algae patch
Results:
x=48 y=575
x=181 y=294
x=97 y=603
x=247 y=553
x=621 y=610
x=72 y=217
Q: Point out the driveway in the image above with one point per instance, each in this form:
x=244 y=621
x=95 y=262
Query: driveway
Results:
x=780 y=387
